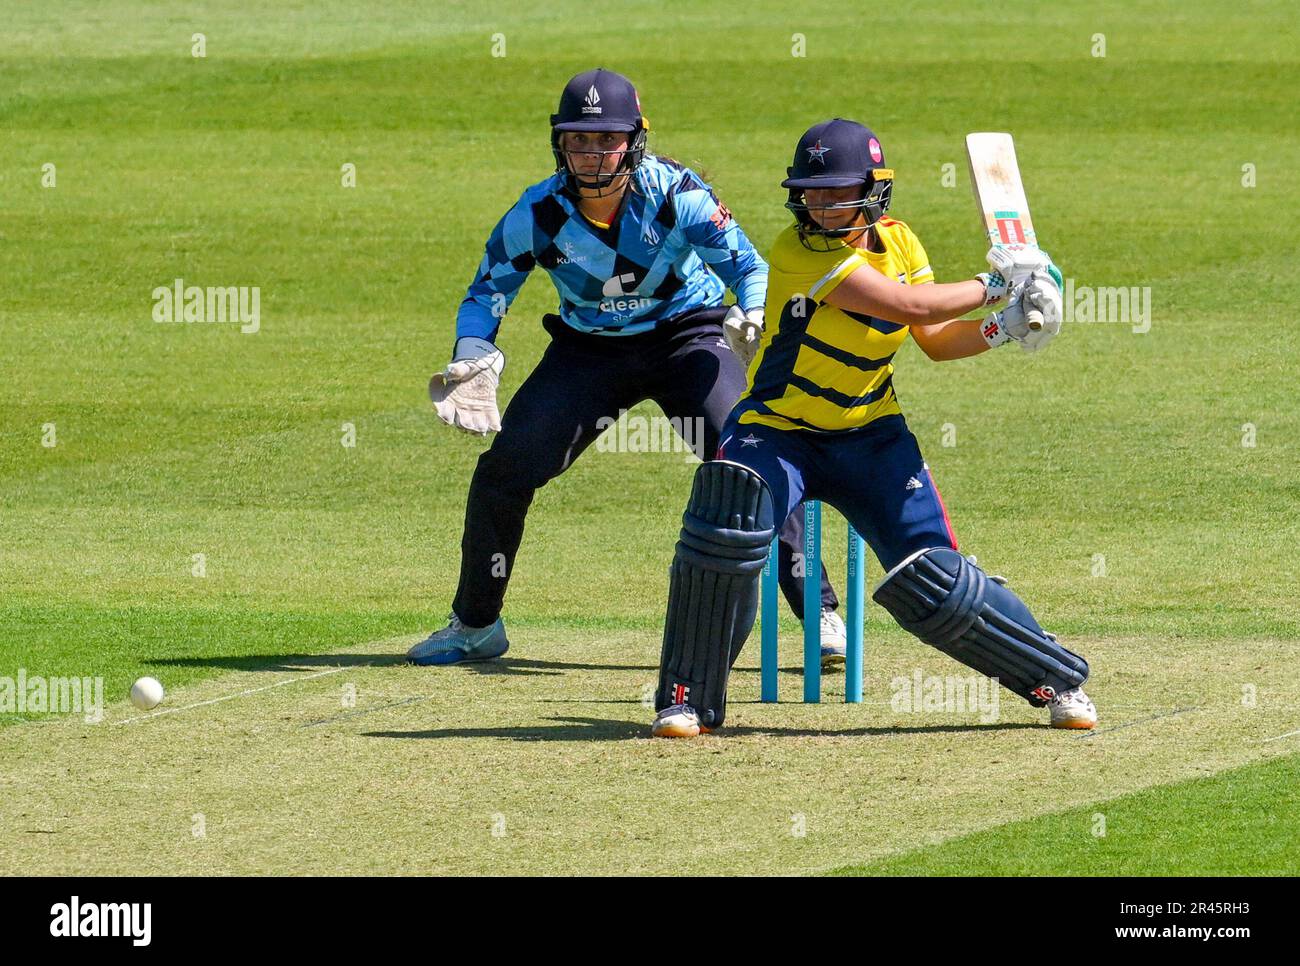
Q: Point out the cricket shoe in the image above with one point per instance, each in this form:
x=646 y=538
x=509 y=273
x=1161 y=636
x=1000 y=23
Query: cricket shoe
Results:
x=1073 y=709
x=457 y=643
x=834 y=639
x=678 y=721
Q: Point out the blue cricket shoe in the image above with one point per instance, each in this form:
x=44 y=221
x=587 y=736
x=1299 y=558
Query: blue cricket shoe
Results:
x=457 y=643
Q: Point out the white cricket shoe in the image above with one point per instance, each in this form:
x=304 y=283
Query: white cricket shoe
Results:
x=677 y=721
x=834 y=639
x=1073 y=709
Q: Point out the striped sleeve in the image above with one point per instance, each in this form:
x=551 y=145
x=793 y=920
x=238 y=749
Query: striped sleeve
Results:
x=507 y=259
x=719 y=241
x=808 y=273
x=831 y=280
x=918 y=269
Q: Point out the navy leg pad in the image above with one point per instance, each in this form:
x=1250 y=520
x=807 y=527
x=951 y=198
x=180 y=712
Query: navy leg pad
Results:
x=713 y=586
x=951 y=604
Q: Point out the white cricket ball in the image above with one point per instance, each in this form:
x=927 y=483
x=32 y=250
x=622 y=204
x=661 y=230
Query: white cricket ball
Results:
x=147 y=693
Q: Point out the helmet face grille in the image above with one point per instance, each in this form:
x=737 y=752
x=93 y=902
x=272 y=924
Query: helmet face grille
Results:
x=605 y=183
x=872 y=206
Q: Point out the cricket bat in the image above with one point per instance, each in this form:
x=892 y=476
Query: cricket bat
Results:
x=1000 y=196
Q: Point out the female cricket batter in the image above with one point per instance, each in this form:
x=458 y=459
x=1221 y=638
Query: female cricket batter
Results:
x=639 y=249
x=819 y=420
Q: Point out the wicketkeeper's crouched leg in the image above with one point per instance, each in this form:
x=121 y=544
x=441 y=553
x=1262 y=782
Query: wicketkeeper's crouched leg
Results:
x=713 y=587
x=950 y=603
x=549 y=423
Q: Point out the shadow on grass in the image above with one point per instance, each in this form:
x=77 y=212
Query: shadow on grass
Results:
x=602 y=729
x=307 y=662
x=527 y=666
x=281 y=662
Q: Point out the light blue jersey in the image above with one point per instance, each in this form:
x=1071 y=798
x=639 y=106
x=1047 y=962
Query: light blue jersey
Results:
x=673 y=248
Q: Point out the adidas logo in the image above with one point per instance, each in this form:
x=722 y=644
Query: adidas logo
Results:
x=592 y=102
x=914 y=484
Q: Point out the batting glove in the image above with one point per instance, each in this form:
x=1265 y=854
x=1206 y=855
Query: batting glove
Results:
x=1011 y=264
x=1009 y=325
x=1042 y=293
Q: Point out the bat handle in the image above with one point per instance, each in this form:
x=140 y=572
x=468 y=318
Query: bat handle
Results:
x=1034 y=318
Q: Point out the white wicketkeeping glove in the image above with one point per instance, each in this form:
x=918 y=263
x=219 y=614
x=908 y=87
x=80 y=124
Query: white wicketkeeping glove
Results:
x=743 y=331
x=465 y=393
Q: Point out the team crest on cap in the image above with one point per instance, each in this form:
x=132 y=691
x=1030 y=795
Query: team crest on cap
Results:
x=874 y=147
x=816 y=151
x=593 y=101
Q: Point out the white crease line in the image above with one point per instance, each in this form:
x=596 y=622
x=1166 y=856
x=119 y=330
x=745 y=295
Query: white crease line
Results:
x=1130 y=724
x=229 y=697
x=1287 y=735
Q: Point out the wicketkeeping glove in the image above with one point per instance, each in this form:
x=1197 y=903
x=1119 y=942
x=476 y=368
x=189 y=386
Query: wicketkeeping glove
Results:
x=743 y=331
x=465 y=393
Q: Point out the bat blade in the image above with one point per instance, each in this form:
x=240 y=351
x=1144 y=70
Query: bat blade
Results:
x=1000 y=196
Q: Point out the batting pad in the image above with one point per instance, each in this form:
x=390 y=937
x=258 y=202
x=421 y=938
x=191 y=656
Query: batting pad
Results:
x=713 y=586
x=951 y=604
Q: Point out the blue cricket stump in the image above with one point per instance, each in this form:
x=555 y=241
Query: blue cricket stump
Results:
x=812 y=607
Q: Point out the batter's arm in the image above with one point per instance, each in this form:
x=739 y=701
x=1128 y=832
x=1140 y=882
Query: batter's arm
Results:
x=869 y=292
x=954 y=339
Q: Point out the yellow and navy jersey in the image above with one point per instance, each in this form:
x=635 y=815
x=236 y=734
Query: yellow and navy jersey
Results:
x=818 y=367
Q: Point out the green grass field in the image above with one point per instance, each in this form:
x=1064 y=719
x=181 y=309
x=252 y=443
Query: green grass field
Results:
x=1239 y=822
x=1138 y=489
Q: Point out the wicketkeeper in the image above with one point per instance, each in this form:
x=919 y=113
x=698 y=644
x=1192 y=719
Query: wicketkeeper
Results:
x=820 y=421
x=641 y=253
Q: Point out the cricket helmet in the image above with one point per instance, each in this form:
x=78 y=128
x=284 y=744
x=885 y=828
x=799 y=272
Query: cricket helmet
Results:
x=838 y=154
x=599 y=100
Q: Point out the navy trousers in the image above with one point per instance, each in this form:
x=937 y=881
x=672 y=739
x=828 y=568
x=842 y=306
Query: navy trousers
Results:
x=684 y=366
x=875 y=476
